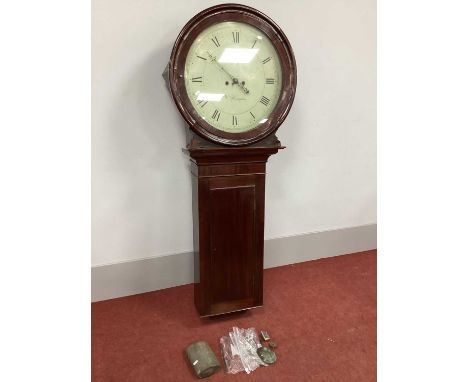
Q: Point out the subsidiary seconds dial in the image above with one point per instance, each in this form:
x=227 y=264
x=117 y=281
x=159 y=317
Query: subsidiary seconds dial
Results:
x=233 y=76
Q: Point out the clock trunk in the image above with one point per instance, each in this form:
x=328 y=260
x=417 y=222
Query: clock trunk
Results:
x=228 y=186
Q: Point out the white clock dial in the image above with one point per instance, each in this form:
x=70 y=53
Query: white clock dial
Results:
x=233 y=76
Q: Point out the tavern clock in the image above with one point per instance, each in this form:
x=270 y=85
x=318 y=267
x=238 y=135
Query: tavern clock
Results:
x=232 y=75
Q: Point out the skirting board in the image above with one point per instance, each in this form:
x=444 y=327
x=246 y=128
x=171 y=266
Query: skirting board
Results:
x=146 y=275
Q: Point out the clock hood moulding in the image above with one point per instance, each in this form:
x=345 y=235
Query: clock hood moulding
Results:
x=175 y=72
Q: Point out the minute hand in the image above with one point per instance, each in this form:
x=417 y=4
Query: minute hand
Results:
x=234 y=79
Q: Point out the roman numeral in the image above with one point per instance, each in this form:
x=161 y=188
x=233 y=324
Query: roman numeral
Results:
x=254 y=44
x=216 y=115
x=215 y=41
x=265 y=101
x=235 y=37
x=197 y=79
x=253 y=116
x=203 y=58
x=270 y=81
x=266 y=60
x=202 y=103
x=234 y=120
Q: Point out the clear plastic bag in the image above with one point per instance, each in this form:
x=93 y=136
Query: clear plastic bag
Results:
x=231 y=357
x=240 y=350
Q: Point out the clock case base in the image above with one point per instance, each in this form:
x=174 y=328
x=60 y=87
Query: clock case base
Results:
x=228 y=201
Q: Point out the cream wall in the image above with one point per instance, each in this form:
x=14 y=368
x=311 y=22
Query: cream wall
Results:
x=326 y=177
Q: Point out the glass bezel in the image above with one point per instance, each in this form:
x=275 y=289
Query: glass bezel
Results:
x=238 y=13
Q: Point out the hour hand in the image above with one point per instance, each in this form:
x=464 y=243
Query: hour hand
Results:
x=235 y=81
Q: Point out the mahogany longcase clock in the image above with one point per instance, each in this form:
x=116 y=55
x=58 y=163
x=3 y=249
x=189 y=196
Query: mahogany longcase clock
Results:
x=232 y=75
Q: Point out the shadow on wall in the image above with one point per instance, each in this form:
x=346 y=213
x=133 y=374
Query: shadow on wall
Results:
x=144 y=113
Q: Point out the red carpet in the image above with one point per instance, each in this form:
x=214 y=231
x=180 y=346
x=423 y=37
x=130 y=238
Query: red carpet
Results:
x=322 y=314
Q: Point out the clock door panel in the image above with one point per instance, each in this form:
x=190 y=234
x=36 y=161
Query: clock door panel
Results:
x=232 y=233
x=230 y=245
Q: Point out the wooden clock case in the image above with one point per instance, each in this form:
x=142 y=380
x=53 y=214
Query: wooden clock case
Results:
x=228 y=176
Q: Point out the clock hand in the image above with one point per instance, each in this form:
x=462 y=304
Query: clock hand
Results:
x=233 y=79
